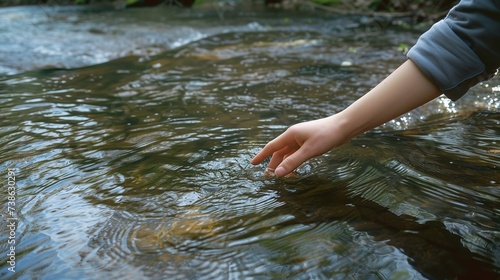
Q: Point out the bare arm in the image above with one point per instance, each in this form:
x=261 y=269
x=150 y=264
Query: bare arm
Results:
x=405 y=89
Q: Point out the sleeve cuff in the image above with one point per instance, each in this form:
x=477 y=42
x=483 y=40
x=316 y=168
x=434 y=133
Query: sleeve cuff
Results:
x=447 y=60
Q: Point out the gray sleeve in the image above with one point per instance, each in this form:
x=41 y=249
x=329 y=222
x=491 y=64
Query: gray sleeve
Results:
x=463 y=49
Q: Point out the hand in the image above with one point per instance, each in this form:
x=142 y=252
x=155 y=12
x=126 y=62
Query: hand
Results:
x=301 y=142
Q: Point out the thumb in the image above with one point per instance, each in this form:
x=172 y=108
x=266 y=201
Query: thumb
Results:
x=291 y=162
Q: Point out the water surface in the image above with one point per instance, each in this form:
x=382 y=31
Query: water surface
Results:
x=131 y=133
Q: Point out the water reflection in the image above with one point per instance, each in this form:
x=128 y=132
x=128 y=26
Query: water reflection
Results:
x=139 y=167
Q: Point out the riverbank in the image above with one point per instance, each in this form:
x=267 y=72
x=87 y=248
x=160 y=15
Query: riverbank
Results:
x=418 y=11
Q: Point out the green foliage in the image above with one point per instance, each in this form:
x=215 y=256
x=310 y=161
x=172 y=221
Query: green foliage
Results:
x=130 y=2
x=403 y=48
x=126 y=2
x=327 y=2
x=375 y=4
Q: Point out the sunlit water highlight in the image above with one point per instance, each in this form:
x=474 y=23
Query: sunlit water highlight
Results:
x=138 y=167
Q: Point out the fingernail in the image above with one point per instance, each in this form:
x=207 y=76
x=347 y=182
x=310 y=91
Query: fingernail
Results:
x=280 y=171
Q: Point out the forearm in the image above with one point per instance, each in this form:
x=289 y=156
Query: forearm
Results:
x=405 y=89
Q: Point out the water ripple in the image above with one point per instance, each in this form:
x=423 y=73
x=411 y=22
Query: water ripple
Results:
x=140 y=167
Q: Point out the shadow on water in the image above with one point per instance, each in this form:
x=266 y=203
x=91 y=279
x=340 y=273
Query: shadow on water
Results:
x=431 y=248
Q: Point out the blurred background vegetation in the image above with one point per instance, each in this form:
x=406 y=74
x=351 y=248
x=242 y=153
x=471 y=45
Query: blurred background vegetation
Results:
x=417 y=10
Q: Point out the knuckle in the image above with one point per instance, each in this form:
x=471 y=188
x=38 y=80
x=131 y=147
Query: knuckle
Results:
x=293 y=129
x=290 y=162
x=280 y=153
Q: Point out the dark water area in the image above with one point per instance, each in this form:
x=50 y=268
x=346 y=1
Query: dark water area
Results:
x=130 y=132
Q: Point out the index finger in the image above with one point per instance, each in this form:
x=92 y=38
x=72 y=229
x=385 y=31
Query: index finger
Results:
x=273 y=146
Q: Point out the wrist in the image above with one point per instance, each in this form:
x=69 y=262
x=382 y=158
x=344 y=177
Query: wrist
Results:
x=343 y=127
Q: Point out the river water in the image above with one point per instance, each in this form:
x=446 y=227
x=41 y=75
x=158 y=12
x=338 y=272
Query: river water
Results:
x=129 y=134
